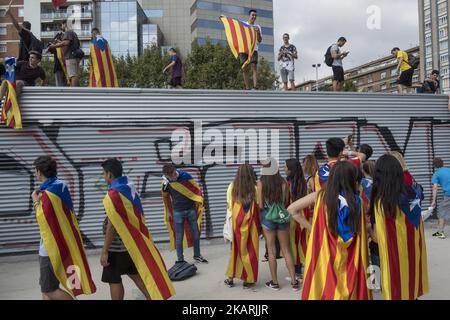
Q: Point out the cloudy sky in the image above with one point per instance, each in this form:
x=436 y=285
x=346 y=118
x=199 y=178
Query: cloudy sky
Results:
x=315 y=24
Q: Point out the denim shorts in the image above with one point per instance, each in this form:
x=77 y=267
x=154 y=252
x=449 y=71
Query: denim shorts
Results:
x=270 y=225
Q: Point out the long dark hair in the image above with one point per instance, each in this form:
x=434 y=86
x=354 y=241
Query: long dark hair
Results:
x=296 y=178
x=244 y=184
x=388 y=185
x=272 y=187
x=343 y=178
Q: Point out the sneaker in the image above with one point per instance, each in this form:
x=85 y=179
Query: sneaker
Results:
x=296 y=286
x=229 y=283
x=442 y=236
x=247 y=285
x=437 y=234
x=272 y=285
x=200 y=259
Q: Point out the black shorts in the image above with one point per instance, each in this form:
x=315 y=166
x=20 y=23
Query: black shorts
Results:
x=175 y=82
x=406 y=77
x=47 y=278
x=243 y=57
x=338 y=73
x=120 y=263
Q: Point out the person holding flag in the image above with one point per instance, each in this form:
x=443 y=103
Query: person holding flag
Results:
x=101 y=72
x=398 y=228
x=62 y=258
x=129 y=247
x=183 y=211
x=241 y=196
x=337 y=254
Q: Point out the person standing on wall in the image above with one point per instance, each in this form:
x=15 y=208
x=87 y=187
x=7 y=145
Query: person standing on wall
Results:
x=254 y=61
x=286 y=57
x=338 y=66
x=177 y=69
x=405 y=71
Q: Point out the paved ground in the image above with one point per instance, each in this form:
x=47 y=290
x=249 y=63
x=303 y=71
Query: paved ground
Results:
x=19 y=276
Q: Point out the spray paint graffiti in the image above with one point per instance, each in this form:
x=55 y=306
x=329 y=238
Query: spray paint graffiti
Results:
x=144 y=148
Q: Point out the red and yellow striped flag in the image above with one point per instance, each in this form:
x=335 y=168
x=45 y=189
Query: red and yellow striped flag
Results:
x=62 y=63
x=11 y=115
x=335 y=269
x=188 y=187
x=241 y=37
x=62 y=239
x=124 y=210
x=299 y=239
x=403 y=256
x=102 y=72
x=244 y=257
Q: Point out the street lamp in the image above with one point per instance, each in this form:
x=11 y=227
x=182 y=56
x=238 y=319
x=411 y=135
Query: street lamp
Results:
x=317 y=66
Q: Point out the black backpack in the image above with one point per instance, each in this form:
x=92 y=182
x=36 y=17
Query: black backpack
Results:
x=329 y=58
x=182 y=270
x=413 y=61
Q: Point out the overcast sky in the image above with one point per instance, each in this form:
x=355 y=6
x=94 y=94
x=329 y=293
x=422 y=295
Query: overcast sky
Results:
x=315 y=24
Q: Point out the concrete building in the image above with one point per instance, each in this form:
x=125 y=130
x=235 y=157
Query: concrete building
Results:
x=183 y=22
x=434 y=39
x=376 y=76
x=9 y=38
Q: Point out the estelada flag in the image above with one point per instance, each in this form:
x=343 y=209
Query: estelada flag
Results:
x=244 y=259
x=124 y=210
x=62 y=63
x=62 y=239
x=336 y=265
x=101 y=72
x=403 y=256
x=322 y=175
x=241 y=37
x=11 y=115
x=189 y=188
x=57 y=3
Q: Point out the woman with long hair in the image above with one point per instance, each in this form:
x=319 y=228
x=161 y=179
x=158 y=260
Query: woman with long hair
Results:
x=408 y=178
x=336 y=257
x=273 y=189
x=398 y=229
x=310 y=167
x=299 y=235
x=241 y=197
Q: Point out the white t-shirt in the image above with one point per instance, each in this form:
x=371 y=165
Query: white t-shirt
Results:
x=42 y=251
x=260 y=30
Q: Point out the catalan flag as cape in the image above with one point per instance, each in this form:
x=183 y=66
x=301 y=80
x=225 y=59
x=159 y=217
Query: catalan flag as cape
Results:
x=322 y=175
x=188 y=187
x=62 y=239
x=244 y=257
x=62 y=63
x=124 y=210
x=403 y=256
x=336 y=265
x=101 y=72
x=241 y=37
x=11 y=115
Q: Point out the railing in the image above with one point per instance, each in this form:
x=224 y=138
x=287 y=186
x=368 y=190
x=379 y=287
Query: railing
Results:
x=52 y=34
x=65 y=15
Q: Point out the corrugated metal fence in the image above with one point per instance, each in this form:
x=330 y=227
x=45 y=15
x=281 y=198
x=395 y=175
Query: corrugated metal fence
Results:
x=81 y=127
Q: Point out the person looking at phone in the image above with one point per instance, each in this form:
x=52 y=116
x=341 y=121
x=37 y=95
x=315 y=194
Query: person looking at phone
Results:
x=338 y=66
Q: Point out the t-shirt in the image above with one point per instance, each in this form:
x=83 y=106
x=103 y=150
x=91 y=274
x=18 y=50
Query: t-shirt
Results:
x=404 y=66
x=117 y=243
x=287 y=61
x=42 y=251
x=260 y=31
x=337 y=62
x=179 y=201
x=177 y=68
x=28 y=74
x=442 y=178
x=74 y=44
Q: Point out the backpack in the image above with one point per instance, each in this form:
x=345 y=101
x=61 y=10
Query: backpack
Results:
x=413 y=61
x=328 y=57
x=278 y=214
x=418 y=188
x=182 y=270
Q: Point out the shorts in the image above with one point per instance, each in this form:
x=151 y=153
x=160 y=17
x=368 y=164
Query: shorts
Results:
x=338 y=73
x=287 y=75
x=47 y=278
x=406 y=78
x=120 y=263
x=243 y=57
x=443 y=211
x=72 y=68
x=175 y=82
x=272 y=226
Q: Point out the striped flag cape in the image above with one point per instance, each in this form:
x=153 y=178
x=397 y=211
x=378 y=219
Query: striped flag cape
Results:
x=336 y=265
x=241 y=37
x=124 y=210
x=62 y=239
x=62 y=63
x=403 y=256
x=11 y=115
x=101 y=72
x=188 y=187
x=322 y=175
x=244 y=257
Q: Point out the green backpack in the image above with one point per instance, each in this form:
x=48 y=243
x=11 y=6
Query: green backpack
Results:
x=278 y=214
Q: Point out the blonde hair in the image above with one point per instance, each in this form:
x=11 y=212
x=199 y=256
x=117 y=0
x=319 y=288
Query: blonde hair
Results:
x=397 y=155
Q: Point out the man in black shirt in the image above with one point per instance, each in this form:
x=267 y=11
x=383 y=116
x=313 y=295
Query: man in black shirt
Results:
x=431 y=85
x=58 y=69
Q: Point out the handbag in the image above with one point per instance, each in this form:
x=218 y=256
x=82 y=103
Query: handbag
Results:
x=228 y=227
x=278 y=214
